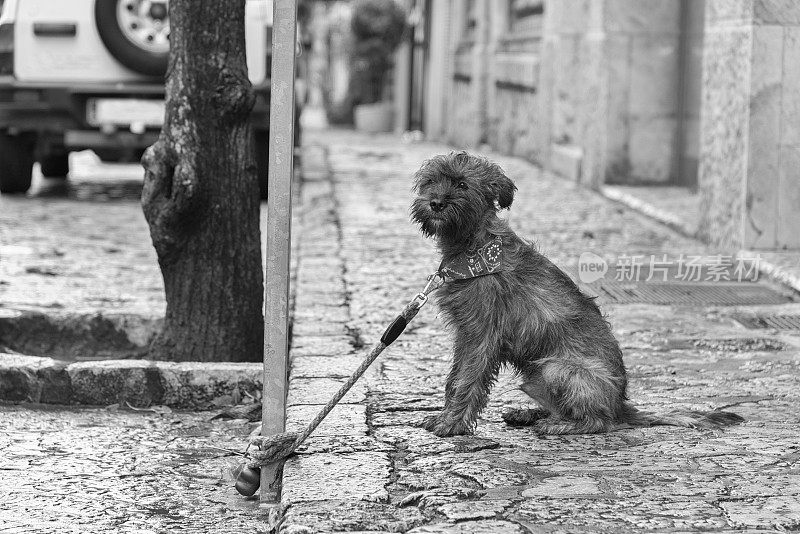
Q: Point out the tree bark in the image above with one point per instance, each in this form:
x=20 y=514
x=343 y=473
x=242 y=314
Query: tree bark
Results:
x=200 y=193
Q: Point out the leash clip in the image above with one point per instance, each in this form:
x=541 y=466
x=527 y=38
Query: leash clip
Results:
x=422 y=297
x=431 y=280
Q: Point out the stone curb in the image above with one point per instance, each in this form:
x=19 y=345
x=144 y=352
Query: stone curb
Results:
x=772 y=271
x=186 y=385
x=136 y=382
x=645 y=208
x=65 y=335
x=341 y=462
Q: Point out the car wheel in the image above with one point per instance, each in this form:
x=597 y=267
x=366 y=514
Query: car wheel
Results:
x=16 y=163
x=136 y=32
x=261 y=153
x=55 y=165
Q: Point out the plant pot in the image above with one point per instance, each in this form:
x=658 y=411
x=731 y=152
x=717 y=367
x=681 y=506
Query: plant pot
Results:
x=374 y=118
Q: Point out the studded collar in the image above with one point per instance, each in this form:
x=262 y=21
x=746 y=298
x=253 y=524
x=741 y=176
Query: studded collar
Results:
x=475 y=262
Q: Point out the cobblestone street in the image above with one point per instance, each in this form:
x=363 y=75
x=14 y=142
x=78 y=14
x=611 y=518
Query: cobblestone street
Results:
x=374 y=469
x=370 y=467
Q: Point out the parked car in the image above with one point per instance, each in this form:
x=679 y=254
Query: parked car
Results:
x=89 y=74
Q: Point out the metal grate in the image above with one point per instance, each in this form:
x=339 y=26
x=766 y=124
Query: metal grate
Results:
x=699 y=294
x=761 y=321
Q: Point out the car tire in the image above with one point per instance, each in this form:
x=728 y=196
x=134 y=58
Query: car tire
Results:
x=16 y=163
x=137 y=57
x=261 y=155
x=55 y=165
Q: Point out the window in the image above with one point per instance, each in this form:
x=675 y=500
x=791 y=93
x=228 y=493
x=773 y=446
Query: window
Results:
x=525 y=16
x=470 y=19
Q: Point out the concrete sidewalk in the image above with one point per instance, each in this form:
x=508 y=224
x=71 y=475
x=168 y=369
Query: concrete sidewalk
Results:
x=371 y=468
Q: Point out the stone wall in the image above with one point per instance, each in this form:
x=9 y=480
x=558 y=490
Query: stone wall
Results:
x=749 y=174
x=574 y=90
x=593 y=86
x=643 y=91
x=466 y=104
x=514 y=113
x=642 y=45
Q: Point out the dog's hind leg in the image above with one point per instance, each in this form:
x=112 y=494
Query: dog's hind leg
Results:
x=583 y=396
x=534 y=388
x=524 y=416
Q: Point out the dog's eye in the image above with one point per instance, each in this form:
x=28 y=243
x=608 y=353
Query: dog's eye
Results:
x=462 y=185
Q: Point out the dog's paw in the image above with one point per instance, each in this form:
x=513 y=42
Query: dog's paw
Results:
x=430 y=422
x=444 y=426
x=524 y=416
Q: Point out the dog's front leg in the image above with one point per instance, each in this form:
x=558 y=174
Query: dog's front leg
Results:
x=466 y=392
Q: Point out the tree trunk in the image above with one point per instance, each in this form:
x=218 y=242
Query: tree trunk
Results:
x=200 y=193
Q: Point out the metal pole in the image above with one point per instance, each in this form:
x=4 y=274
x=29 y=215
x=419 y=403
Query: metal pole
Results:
x=279 y=217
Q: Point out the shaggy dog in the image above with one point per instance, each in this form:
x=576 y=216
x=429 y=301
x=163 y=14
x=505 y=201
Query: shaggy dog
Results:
x=509 y=305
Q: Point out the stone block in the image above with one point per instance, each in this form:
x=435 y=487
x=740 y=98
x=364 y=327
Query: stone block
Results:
x=309 y=327
x=18 y=376
x=315 y=391
x=570 y=16
x=764 y=138
x=652 y=146
x=195 y=384
x=613 y=161
x=788 y=214
x=344 y=420
x=790 y=110
x=341 y=366
x=358 y=476
x=567 y=78
x=632 y=515
x=731 y=13
x=321 y=346
x=654 y=76
x=782 y=12
x=488 y=526
x=778 y=512
x=691 y=138
x=642 y=16
x=137 y=382
x=336 y=297
x=724 y=126
x=472 y=510
x=565 y=161
x=337 y=314
x=54 y=384
x=359 y=517
x=563 y=487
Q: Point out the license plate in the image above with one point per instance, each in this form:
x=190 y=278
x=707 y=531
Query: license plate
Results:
x=124 y=111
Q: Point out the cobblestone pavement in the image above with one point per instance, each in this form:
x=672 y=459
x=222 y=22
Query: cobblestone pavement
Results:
x=371 y=468
x=80 y=247
x=110 y=470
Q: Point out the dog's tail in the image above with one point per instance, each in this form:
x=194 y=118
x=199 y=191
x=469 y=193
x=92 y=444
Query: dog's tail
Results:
x=685 y=418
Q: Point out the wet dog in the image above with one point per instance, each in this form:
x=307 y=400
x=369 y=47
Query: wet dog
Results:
x=508 y=305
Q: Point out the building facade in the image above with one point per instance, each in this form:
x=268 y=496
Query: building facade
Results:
x=703 y=94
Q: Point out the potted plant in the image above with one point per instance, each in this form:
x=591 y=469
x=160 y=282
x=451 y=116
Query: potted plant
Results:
x=378 y=27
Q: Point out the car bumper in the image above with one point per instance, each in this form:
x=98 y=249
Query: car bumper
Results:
x=50 y=108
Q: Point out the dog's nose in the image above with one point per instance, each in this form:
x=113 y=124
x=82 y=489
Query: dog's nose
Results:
x=437 y=205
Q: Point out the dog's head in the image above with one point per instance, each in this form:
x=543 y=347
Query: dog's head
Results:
x=457 y=193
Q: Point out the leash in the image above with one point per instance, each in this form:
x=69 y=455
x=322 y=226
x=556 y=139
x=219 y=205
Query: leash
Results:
x=392 y=332
x=275 y=448
x=482 y=261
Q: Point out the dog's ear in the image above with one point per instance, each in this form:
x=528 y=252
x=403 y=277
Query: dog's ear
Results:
x=503 y=189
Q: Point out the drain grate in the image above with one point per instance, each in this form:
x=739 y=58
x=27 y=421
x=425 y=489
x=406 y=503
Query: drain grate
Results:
x=761 y=321
x=722 y=294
